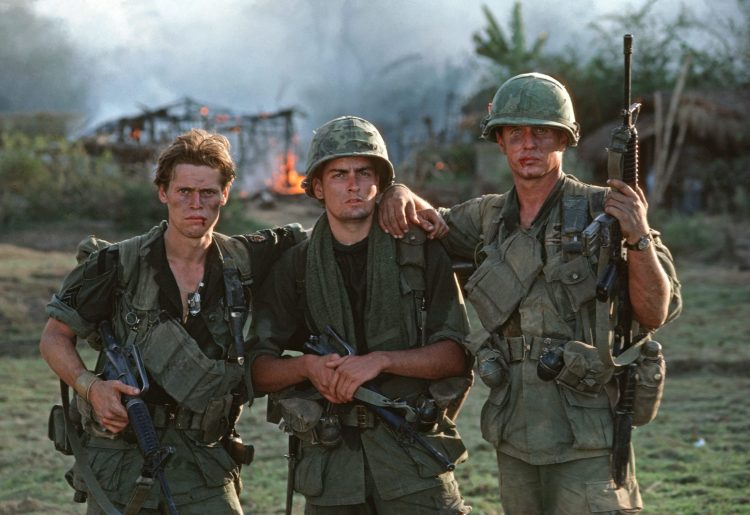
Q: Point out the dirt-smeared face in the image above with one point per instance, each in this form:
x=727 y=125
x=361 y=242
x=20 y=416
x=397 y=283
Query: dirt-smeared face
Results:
x=194 y=198
x=533 y=152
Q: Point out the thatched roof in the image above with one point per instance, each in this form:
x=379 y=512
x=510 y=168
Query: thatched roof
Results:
x=717 y=121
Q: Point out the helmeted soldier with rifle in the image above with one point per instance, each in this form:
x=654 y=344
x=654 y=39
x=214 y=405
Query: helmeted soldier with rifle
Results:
x=371 y=402
x=562 y=330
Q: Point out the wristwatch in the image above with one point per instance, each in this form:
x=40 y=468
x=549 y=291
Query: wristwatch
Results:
x=643 y=243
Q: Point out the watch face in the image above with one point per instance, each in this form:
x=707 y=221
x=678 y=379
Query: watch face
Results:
x=643 y=243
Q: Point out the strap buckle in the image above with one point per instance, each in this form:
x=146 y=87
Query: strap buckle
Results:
x=362 y=416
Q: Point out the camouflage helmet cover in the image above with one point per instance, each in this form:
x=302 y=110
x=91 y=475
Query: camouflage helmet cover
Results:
x=347 y=136
x=532 y=99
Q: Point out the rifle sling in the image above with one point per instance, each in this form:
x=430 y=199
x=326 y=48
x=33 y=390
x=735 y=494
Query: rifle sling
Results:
x=604 y=332
x=376 y=399
x=82 y=463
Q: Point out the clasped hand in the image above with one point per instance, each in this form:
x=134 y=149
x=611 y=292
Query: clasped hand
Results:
x=338 y=377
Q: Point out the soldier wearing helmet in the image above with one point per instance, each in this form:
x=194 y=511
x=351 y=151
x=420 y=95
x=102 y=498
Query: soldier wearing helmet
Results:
x=396 y=303
x=348 y=136
x=534 y=292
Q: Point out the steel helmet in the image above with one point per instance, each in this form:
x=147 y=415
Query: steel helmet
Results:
x=347 y=136
x=532 y=99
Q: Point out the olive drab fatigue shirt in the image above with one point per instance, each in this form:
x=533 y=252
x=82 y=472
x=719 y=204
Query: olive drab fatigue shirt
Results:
x=528 y=296
x=92 y=292
x=329 y=477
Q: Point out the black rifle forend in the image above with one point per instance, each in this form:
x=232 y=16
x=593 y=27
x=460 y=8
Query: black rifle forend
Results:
x=623 y=164
x=331 y=343
x=119 y=366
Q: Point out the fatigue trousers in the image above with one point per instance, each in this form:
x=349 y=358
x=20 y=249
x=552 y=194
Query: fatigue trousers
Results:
x=440 y=500
x=580 y=486
x=225 y=502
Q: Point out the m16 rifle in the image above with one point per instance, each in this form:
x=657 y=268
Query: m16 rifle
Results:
x=604 y=236
x=120 y=362
x=380 y=405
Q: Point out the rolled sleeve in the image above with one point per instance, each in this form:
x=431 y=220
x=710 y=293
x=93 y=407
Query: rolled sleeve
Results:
x=62 y=312
x=466 y=225
x=83 y=296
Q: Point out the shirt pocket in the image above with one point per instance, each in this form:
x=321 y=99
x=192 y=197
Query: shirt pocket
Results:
x=578 y=281
x=494 y=417
x=590 y=419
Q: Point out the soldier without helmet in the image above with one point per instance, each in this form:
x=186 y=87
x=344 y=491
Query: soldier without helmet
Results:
x=165 y=292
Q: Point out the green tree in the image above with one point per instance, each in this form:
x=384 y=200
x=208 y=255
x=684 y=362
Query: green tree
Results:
x=508 y=52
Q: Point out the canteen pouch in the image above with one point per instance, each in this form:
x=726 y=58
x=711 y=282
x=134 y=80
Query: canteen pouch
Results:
x=649 y=388
x=301 y=416
x=57 y=431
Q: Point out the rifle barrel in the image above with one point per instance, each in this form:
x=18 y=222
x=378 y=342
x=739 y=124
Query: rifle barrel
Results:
x=628 y=53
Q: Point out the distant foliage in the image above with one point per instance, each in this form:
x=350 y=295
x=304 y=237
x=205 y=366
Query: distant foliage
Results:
x=54 y=180
x=46 y=179
x=720 y=50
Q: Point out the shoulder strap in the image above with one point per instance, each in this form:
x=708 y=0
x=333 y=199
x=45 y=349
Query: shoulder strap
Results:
x=82 y=462
x=410 y=251
x=300 y=264
x=238 y=252
x=235 y=259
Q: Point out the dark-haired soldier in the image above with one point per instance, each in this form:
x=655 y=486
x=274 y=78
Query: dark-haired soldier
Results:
x=397 y=303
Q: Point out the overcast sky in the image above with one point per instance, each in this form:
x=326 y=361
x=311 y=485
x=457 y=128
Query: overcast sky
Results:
x=261 y=55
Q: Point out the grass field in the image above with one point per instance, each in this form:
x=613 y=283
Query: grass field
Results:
x=693 y=459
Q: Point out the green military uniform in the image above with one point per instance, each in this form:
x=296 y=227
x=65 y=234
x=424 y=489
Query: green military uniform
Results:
x=530 y=295
x=193 y=405
x=365 y=293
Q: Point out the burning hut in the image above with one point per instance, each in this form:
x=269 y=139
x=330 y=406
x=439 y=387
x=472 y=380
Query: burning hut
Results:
x=263 y=145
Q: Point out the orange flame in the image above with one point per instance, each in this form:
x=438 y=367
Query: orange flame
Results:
x=286 y=180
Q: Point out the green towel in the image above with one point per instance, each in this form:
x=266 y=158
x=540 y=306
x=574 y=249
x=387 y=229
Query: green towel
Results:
x=328 y=301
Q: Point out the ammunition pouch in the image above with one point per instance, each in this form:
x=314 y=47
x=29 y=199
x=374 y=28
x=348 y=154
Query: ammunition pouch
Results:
x=503 y=279
x=211 y=425
x=583 y=370
x=450 y=393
